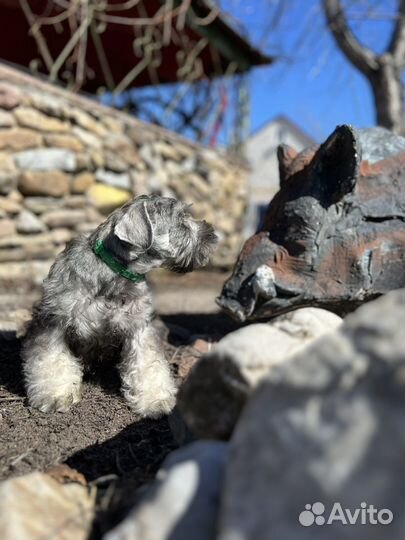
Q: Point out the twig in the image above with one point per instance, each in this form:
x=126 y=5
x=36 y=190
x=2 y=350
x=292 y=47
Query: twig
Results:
x=104 y=479
x=123 y=7
x=102 y=58
x=68 y=49
x=20 y=458
x=42 y=46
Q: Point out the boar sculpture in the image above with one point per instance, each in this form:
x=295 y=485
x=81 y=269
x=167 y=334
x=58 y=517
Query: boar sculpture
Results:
x=334 y=234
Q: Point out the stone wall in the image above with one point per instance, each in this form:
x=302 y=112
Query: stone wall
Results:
x=66 y=161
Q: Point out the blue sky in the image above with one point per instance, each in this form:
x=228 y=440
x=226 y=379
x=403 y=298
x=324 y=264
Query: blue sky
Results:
x=311 y=83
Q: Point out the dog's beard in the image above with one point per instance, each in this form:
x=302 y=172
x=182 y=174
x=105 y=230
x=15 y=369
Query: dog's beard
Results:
x=207 y=241
x=194 y=253
x=181 y=269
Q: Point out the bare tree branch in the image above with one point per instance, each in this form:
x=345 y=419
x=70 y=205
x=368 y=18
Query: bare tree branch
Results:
x=397 y=44
x=361 y=57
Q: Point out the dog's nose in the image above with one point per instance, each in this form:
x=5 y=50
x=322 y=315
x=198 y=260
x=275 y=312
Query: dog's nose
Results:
x=208 y=233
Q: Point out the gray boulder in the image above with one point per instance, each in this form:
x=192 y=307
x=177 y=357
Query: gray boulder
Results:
x=215 y=392
x=182 y=503
x=319 y=450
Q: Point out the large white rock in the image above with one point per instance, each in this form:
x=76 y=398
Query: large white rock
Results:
x=325 y=431
x=307 y=324
x=46 y=159
x=214 y=394
x=35 y=507
x=183 y=502
x=118 y=180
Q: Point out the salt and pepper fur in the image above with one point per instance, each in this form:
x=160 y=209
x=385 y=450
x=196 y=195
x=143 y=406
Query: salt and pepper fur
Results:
x=88 y=313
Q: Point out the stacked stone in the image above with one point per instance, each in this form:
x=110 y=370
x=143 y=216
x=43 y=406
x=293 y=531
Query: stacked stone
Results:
x=66 y=162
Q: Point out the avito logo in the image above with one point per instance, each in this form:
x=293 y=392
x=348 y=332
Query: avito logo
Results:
x=367 y=514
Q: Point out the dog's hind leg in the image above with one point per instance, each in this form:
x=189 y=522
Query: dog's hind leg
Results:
x=53 y=375
x=146 y=380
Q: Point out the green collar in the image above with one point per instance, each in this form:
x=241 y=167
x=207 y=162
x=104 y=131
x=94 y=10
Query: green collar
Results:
x=113 y=263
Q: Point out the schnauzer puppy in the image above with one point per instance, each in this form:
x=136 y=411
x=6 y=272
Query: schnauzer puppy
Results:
x=96 y=304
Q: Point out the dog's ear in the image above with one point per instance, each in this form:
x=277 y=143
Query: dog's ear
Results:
x=136 y=227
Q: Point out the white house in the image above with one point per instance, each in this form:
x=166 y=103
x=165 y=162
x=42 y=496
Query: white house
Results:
x=261 y=153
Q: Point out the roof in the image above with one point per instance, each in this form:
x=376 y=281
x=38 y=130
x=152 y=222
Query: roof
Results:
x=111 y=56
x=232 y=44
x=292 y=126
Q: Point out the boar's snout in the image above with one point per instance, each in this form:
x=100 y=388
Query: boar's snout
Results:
x=241 y=303
x=232 y=307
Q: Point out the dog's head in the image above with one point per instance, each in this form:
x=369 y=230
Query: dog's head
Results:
x=160 y=231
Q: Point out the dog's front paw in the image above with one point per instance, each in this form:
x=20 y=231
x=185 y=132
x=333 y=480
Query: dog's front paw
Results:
x=152 y=405
x=48 y=403
x=160 y=407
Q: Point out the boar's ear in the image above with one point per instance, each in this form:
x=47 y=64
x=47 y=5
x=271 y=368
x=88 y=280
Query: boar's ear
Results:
x=286 y=156
x=336 y=165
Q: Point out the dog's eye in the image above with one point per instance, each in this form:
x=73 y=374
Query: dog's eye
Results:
x=153 y=253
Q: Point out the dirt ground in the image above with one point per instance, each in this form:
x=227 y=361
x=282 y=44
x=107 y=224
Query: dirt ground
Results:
x=101 y=437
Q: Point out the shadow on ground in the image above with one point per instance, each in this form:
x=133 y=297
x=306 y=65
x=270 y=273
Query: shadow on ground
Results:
x=213 y=326
x=120 y=466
